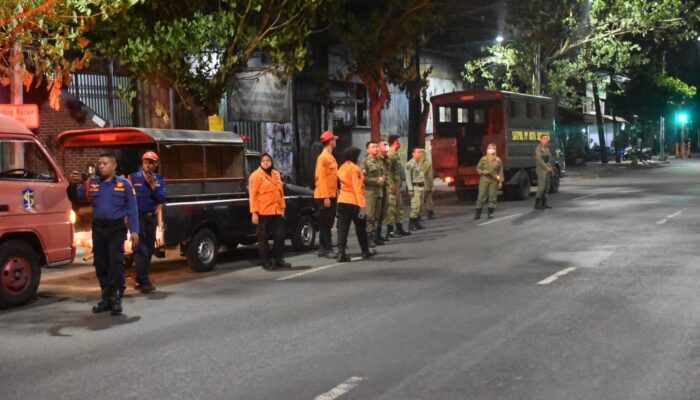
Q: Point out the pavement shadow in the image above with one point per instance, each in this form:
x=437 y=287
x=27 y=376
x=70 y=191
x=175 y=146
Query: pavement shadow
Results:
x=532 y=215
x=91 y=322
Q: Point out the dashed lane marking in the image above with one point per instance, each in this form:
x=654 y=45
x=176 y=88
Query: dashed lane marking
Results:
x=586 y=196
x=674 y=215
x=500 y=219
x=310 y=271
x=550 y=279
x=341 y=389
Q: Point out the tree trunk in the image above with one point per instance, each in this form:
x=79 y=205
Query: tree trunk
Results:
x=378 y=95
x=423 y=122
x=601 y=126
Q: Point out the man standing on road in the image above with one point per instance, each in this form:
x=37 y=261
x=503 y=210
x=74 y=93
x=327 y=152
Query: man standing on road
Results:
x=150 y=194
x=112 y=199
x=394 y=210
x=415 y=181
x=383 y=156
x=544 y=172
x=373 y=171
x=429 y=187
x=326 y=193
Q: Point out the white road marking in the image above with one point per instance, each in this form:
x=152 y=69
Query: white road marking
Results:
x=556 y=276
x=284 y=278
x=586 y=196
x=500 y=219
x=341 y=389
x=674 y=215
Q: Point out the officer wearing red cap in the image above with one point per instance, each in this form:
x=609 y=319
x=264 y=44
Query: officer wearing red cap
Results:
x=326 y=193
x=150 y=193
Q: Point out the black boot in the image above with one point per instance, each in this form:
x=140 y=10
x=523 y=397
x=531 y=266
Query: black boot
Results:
x=538 y=204
x=390 y=233
x=380 y=236
x=116 y=300
x=431 y=215
x=544 y=203
x=477 y=213
x=412 y=224
x=342 y=256
x=378 y=240
x=399 y=228
x=370 y=240
x=417 y=224
x=491 y=210
x=280 y=263
x=104 y=303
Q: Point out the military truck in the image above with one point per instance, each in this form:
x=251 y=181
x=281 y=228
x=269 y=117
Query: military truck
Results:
x=465 y=122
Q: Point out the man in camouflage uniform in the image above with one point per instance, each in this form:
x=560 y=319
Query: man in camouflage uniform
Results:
x=415 y=181
x=544 y=172
x=373 y=170
x=393 y=211
x=427 y=167
x=383 y=156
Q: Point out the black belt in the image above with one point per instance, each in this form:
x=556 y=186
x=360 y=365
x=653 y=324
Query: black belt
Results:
x=108 y=223
x=418 y=184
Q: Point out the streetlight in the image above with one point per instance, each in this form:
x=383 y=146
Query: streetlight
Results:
x=499 y=39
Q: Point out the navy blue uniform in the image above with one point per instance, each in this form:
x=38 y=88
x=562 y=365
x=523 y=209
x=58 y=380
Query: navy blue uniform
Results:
x=148 y=200
x=111 y=201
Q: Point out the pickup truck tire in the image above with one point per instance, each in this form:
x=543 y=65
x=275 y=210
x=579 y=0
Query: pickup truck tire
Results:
x=554 y=182
x=20 y=273
x=304 y=236
x=203 y=251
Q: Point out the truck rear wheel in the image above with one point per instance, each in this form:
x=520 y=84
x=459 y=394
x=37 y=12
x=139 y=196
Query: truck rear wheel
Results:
x=521 y=191
x=203 y=251
x=20 y=273
x=465 y=195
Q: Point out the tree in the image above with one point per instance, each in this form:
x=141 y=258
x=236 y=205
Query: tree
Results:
x=200 y=46
x=555 y=46
x=380 y=40
x=47 y=39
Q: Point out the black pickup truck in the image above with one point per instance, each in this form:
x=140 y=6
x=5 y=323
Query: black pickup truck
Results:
x=206 y=179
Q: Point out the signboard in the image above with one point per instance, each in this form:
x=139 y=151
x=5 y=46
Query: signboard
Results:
x=28 y=114
x=216 y=123
x=259 y=97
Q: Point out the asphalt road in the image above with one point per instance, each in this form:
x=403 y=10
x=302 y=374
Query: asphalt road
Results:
x=598 y=298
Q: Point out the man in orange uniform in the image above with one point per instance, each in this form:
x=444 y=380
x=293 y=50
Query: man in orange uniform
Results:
x=351 y=204
x=326 y=193
x=267 y=210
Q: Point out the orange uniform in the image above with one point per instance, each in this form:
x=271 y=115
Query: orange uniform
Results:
x=326 y=176
x=352 y=183
x=266 y=193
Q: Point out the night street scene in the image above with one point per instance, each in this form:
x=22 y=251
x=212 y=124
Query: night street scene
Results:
x=350 y=199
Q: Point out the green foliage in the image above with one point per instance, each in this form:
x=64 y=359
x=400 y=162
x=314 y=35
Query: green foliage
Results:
x=576 y=39
x=199 y=46
x=50 y=37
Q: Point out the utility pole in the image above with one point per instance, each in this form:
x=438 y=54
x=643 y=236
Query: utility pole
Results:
x=601 y=126
x=662 y=139
x=16 y=94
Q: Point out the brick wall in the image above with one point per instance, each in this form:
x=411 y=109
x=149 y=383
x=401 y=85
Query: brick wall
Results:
x=71 y=115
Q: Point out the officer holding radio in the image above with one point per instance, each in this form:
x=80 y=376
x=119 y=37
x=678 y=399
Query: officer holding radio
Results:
x=150 y=193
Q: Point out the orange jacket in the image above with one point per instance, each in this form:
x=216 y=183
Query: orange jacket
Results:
x=266 y=193
x=352 y=183
x=326 y=176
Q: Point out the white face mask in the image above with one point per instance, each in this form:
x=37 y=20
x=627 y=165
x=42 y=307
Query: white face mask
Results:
x=491 y=151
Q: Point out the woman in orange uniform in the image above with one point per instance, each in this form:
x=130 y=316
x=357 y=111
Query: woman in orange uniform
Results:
x=351 y=204
x=267 y=209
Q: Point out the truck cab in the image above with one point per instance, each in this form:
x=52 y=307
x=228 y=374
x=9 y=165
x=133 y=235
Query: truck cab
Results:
x=35 y=214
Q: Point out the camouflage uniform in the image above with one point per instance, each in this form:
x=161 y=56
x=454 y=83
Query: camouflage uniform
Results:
x=544 y=168
x=373 y=169
x=415 y=181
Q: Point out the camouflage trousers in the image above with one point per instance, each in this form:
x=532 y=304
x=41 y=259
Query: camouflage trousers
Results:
x=417 y=201
x=393 y=207
x=373 y=204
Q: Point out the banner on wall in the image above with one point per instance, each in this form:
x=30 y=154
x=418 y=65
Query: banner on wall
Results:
x=259 y=97
x=279 y=144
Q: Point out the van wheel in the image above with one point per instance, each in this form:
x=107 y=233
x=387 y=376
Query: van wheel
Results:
x=203 y=251
x=304 y=236
x=554 y=182
x=20 y=273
